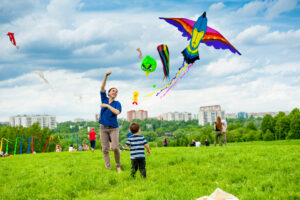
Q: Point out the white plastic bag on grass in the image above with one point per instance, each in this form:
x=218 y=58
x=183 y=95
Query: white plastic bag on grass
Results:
x=219 y=194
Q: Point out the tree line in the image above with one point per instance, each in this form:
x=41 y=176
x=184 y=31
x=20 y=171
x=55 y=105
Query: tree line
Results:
x=178 y=133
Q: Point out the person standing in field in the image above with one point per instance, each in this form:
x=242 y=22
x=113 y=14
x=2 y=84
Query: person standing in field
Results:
x=110 y=109
x=224 y=124
x=92 y=137
x=165 y=142
x=218 y=128
x=137 y=142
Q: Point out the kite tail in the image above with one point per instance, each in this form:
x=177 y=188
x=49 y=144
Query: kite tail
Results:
x=173 y=79
x=189 y=55
x=177 y=80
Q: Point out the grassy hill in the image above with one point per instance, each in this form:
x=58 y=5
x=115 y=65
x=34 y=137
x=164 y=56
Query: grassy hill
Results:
x=254 y=170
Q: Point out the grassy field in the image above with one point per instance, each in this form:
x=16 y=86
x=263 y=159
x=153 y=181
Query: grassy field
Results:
x=256 y=170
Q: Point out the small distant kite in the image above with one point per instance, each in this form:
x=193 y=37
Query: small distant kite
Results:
x=164 y=56
x=79 y=96
x=140 y=52
x=12 y=39
x=41 y=75
x=135 y=96
x=197 y=32
x=148 y=65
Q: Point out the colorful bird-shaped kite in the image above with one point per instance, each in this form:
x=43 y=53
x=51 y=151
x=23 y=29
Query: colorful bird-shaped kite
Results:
x=210 y=38
x=164 y=56
x=12 y=39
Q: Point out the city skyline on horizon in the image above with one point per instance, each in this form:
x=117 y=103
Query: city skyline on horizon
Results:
x=124 y=118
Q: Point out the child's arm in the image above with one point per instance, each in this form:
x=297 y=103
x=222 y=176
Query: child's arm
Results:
x=148 y=148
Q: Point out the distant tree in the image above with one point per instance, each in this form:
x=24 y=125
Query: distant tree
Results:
x=149 y=135
x=282 y=127
x=251 y=126
x=267 y=124
x=294 y=132
x=294 y=111
x=234 y=126
x=268 y=136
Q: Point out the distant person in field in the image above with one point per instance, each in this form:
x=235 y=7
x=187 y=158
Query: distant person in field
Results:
x=206 y=143
x=193 y=143
x=165 y=142
x=137 y=144
x=109 y=128
x=85 y=147
x=198 y=143
x=218 y=129
x=57 y=148
x=92 y=136
x=71 y=148
x=224 y=124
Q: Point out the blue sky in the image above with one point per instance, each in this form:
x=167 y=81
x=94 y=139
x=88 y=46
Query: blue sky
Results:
x=73 y=43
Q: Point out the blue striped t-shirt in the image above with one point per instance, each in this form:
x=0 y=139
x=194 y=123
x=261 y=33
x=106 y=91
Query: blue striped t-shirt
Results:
x=137 y=149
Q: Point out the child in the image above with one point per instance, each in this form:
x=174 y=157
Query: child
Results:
x=57 y=148
x=92 y=136
x=137 y=142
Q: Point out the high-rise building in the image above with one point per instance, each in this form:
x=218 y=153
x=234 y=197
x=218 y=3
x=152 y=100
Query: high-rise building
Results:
x=209 y=114
x=177 y=116
x=28 y=120
x=137 y=114
x=97 y=117
x=242 y=115
x=262 y=114
x=230 y=115
x=78 y=120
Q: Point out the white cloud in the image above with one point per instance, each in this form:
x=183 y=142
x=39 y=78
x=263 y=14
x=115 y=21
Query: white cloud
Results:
x=63 y=9
x=253 y=33
x=216 y=6
x=91 y=49
x=292 y=68
x=97 y=28
x=227 y=66
x=259 y=34
x=270 y=9
x=279 y=7
x=252 y=8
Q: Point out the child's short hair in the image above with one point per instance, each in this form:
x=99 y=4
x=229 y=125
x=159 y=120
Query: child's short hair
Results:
x=134 y=127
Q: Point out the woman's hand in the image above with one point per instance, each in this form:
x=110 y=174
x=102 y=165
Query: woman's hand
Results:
x=104 y=105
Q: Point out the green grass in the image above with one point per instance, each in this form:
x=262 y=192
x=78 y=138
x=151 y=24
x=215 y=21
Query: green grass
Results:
x=254 y=170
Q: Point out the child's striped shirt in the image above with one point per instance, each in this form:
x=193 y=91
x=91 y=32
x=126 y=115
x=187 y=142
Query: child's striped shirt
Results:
x=137 y=149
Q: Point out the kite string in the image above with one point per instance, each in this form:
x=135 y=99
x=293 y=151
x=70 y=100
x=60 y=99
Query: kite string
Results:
x=169 y=83
x=182 y=67
x=177 y=80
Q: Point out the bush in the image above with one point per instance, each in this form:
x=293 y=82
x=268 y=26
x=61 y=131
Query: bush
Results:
x=152 y=144
x=268 y=136
x=251 y=126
